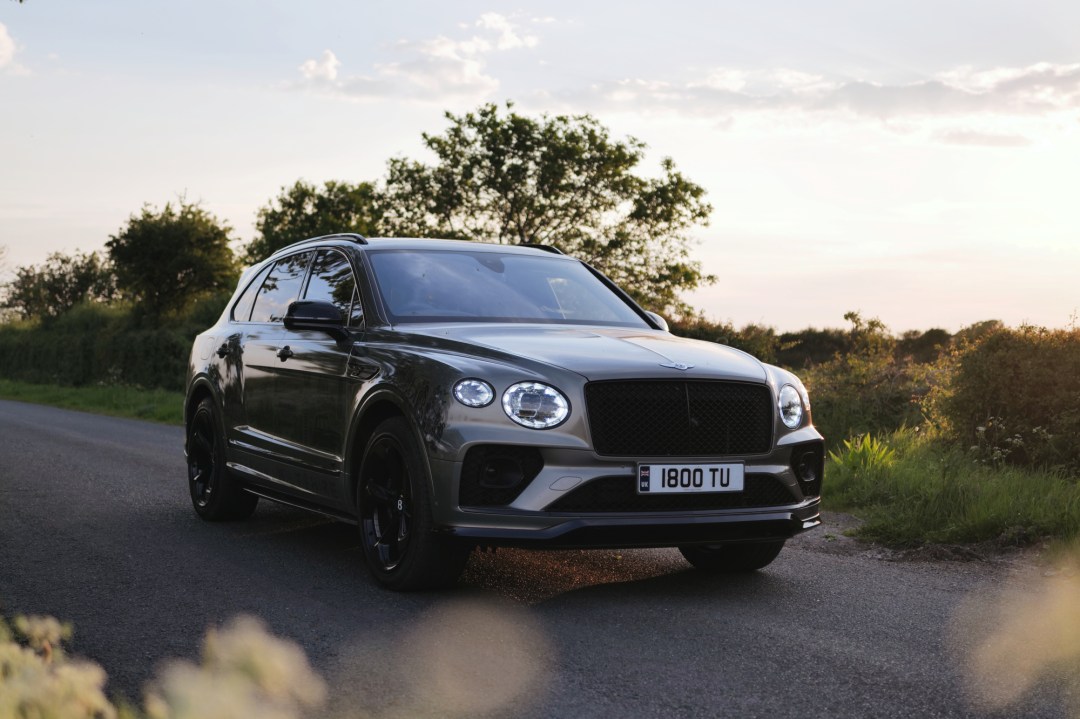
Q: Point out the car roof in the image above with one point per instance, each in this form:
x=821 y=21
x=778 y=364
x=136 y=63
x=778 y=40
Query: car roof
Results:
x=416 y=243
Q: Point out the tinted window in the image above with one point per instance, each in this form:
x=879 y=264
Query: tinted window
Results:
x=280 y=289
x=242 y=309
x=332 y=281
x=448 y=286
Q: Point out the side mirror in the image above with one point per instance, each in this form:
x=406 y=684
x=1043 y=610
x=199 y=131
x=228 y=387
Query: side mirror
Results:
x=316 y=315
x=656 y=320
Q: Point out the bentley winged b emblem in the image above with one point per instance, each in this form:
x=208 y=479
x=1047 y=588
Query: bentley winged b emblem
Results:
x=677 y=365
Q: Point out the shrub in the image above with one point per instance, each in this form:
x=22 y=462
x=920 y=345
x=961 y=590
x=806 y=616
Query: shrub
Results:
x=1014 y=396
x=854 y=395
x=101 y=344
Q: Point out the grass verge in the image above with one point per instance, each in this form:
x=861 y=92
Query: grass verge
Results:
x=155 y=405
x=912 y=490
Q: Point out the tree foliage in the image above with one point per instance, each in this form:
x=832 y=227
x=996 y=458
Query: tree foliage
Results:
x=557 y=180
x=305 y=210
x=165 y=259
x=49 y=290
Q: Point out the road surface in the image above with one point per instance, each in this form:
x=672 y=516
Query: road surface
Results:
x=96 y=528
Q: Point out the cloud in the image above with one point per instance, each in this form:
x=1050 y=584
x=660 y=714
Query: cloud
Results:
x=324 y=70
x=435 y=70
x=981 y=139
x=1035 y=90
x=7 y=48
x=508 y=35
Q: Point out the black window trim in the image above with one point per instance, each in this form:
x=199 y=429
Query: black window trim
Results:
x=356 y=282
x=303 y=282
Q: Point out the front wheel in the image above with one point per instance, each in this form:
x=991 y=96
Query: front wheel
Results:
x=732 y=558
x=215 y=494
x=396 y=527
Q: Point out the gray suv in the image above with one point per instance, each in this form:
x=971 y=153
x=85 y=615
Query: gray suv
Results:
x=445 y=395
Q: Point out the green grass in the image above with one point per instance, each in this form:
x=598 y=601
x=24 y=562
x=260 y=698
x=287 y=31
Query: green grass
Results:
x=931 y=492
x=155 y=405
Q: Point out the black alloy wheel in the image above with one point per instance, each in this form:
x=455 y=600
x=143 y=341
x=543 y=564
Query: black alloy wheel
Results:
x=401 y=548
x=214 y=493
x=388 y=515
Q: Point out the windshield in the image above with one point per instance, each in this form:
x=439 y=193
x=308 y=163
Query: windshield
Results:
x=455 y=286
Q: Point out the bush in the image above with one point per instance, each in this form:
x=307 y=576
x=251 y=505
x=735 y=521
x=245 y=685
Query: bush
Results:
x=1014 y=397
x=762 y=342
x=854 y=395
x=102 y=344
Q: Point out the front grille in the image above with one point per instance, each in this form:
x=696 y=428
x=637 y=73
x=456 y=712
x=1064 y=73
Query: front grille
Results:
x=619 y=494
x=676 y=418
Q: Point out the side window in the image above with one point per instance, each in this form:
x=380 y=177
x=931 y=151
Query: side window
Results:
x=241 y=311
x=332 y=281
x=280 y=288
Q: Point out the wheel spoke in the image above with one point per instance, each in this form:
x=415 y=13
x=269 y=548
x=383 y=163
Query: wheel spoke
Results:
x=380 y=493
x=202 y=443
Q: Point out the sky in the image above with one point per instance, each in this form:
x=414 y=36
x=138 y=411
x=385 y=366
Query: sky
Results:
x=918 y=161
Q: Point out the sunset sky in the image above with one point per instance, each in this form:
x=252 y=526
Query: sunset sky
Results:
x=918 y=161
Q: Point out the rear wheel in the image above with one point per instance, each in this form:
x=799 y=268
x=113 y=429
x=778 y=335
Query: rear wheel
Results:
x=215 y=494
x=396 y=527
x=732 y=557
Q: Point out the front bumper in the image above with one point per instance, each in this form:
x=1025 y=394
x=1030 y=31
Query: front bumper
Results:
x=638 y=530
x=576 y=499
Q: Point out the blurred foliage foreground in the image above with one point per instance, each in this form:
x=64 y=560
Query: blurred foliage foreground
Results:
x=244 y=672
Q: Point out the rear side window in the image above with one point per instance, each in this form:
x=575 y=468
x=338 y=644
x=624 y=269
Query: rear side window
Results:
x=280 y=288
x=332 y=281
x=242 y=309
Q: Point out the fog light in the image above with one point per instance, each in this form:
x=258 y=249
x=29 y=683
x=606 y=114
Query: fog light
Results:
x=501 y=473
x=806 y=467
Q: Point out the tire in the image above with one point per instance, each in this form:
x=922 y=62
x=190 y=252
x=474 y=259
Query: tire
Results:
x=401 y=549
x=732 y=558
x=215 y=493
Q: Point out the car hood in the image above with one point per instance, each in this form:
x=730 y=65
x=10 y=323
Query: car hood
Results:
x=608 y=353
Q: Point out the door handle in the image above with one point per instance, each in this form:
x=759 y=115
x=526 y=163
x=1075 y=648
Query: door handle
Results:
x=285 y=353
x=224 y=351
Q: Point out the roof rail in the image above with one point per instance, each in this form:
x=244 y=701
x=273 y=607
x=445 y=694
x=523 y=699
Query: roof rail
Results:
x=546 y=248
x=351 y=236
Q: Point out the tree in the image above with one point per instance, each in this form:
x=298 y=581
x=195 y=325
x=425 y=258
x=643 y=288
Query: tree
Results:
x=557 y=180
x=166 y=259
x=63 y=281
x=304 y=210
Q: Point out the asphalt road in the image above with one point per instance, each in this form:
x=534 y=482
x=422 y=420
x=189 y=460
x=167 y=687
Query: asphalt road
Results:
x=96 y=528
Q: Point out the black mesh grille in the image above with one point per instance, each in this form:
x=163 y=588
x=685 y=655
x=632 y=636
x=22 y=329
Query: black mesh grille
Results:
x=619 y=494
x=488 y=472
x=675 y=418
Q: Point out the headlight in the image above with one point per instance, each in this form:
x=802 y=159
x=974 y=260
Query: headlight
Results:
x=535 y=405
x=791 y=406
x=474 y=393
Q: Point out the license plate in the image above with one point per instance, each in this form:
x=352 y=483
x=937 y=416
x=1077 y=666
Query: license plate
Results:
x=689 y=478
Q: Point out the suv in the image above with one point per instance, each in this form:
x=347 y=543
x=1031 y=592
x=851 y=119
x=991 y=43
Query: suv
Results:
x=444 y=395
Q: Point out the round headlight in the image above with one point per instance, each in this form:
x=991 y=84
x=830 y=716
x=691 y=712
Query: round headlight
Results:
x=535 y=405
x=474 y=393
x=791 y=407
